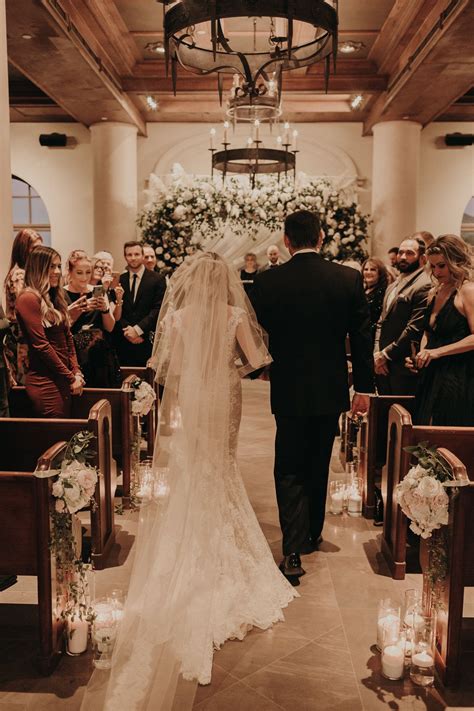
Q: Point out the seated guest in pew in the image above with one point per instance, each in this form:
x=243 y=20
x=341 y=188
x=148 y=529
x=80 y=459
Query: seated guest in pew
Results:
x=16 y=349
x=445 y=394
x=91 y=317
x=376 y=280
x=401 y=321
x=53 y=373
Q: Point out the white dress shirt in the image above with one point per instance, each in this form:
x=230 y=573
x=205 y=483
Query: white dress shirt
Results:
x=139 y=274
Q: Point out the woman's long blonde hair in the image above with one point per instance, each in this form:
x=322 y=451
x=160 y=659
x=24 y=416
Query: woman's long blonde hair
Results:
x=458 y=257
x=52 y=300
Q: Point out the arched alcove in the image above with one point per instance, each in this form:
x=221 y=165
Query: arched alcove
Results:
x=29 y=209
x=467 y=225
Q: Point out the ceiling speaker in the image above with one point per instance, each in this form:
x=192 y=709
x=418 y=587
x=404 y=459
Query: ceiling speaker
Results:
x=53 y=140
x=459 y=139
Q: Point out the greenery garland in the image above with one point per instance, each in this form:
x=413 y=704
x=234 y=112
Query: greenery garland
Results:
x=184 y=215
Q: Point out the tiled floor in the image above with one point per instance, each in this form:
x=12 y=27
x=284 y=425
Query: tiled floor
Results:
x=321 y=658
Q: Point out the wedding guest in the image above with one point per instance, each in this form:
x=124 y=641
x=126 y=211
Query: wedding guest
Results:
x=53 y=373
x=106 y=259
x=143 y=294
x=426 y=237
x=392 y=257
x=374 y=274
x=274 y=258
x=401 y=321
x=15 y=347
x=4 y=378
x=92 y=319
x=249 y=272
x=445 y=394
x=149 y=258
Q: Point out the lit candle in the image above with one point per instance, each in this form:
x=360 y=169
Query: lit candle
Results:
x=249 y=141
x=391 y=625
x=279 y=141
x=287 y=132
x=271 y=87
x=354 y=504
x=257 y=127
x=393 y=660
x=422 y=659
x=414 y=619
x=77 y=634
x=295 y=136
x=337 y=502
x=226 y=128
x=212 y=135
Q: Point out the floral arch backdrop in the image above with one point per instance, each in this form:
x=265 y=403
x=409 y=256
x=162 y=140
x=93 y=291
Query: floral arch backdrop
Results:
x=184 y=213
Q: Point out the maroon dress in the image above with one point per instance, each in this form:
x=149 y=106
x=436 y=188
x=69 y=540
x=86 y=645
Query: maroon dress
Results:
x=52 y=359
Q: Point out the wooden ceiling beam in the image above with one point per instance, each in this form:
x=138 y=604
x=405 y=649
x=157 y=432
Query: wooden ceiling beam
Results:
x=438 y=68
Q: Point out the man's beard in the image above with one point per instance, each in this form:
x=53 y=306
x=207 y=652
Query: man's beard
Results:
x=407 y=267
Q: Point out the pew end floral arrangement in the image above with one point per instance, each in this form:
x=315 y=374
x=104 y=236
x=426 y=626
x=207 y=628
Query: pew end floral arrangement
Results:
x=73 y=490
x=423 y=498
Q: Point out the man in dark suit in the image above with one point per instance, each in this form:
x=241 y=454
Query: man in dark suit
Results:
x=308 y=306
x=143 y=294
x=401 y=321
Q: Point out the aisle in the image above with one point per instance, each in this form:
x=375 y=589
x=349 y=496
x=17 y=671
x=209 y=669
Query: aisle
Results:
x=322 y=656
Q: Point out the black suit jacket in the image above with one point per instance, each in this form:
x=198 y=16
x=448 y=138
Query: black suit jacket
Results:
x=143 y=312
x=403 y=321
x=308 y=306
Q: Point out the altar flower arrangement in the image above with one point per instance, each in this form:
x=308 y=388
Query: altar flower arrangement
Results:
x=143 y=398
x=182 y=215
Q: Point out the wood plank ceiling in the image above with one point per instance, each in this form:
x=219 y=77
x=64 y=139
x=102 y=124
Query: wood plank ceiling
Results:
x=88 y=60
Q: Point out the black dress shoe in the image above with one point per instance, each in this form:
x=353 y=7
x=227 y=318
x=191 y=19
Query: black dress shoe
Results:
x=311 y=546
x=290 y=566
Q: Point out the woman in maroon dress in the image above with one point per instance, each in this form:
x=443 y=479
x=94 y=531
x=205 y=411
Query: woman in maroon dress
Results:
x=53 y=375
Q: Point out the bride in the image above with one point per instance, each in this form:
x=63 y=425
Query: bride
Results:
x=203 y=572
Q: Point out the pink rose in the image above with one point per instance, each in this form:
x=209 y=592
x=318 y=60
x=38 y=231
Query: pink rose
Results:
x=60 y=506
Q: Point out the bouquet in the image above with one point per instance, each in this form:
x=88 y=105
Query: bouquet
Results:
x=144 y=397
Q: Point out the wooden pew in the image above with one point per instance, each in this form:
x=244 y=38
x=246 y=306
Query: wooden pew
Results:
x=122 y=431
x=402 y=433
x=372 y=444
x=147 y=374
x=452 y=636
x=27 y=438
x=25 y=525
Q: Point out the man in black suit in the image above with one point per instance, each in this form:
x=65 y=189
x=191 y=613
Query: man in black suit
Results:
x=143 y=294
x=308 y=306
x=401 y=321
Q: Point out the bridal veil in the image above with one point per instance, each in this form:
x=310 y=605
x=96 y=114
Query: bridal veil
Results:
x=163 y=642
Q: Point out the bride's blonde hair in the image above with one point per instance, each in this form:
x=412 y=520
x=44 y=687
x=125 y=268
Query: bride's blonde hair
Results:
x=52 y=300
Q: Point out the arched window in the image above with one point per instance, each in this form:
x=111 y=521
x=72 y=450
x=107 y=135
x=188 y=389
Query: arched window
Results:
x=467 y=227
x=29 y=210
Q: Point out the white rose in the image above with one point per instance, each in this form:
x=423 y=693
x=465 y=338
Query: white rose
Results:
x=429 y=487
x=58 y=489
x=179 y=212
x=159 y=250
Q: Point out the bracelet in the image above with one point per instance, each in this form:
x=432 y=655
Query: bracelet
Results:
x=105 y=312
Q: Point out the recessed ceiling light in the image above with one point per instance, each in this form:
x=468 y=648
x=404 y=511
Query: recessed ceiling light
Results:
x=356 y=102
x=104 y=118
x=201 y=32
x=155 y=47
x=27 y=36
x=350 y=47
x=152 y=102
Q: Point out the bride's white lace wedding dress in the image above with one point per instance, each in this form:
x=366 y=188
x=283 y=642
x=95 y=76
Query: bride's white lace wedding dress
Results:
x=203 y=571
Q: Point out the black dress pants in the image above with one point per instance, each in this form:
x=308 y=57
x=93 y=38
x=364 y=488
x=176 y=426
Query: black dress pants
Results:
x=303 y=447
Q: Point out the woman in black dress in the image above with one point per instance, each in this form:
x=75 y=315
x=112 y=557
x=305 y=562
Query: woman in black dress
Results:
x=249 y=272
x=445 y=394
x=375 y=276
x=92 y=319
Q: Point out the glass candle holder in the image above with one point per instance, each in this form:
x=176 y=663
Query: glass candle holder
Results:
x=393 y=654
x=388 y=619
x=104 y=632
x=354 y=497
x=422 y=659
x=144 y=488
x=336 y=496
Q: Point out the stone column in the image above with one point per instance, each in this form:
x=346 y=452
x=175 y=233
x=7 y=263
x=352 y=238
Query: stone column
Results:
x=114 y=150
x=395 y=166
x=6 y=229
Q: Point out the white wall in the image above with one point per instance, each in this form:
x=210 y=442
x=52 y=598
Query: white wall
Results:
x=446 y=179
x=62 y=177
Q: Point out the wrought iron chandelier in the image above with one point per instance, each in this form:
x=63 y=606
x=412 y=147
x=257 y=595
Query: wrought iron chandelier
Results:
x=255 y=159
x=211 y=36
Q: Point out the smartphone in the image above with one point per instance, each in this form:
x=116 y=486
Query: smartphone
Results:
x=97 y=291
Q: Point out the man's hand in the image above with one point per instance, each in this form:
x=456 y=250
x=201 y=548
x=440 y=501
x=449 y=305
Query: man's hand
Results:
x=131 y=335
x=360 y=404
x=380 y=363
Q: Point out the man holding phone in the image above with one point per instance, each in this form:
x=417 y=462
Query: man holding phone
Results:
x=143 y=292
